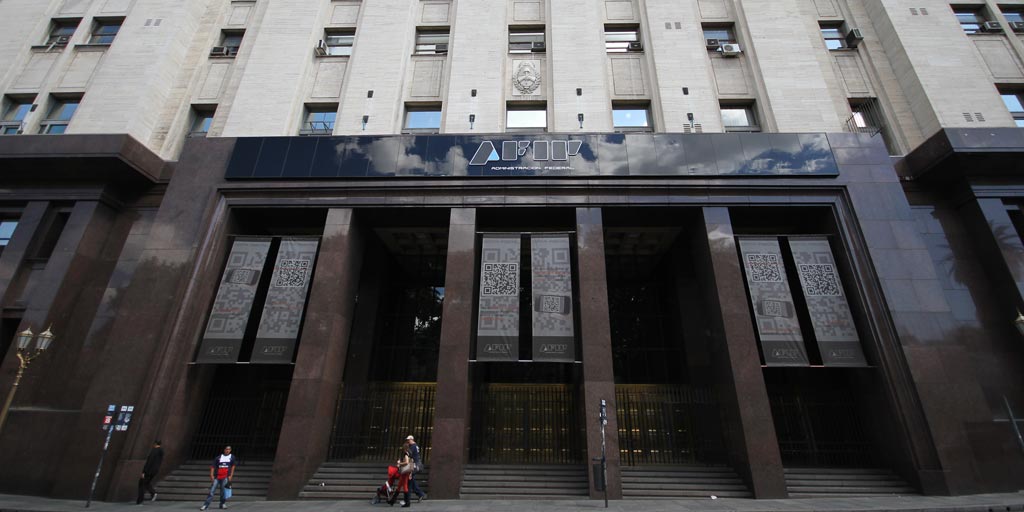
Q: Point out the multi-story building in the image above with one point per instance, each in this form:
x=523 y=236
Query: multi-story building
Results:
x=769 y=235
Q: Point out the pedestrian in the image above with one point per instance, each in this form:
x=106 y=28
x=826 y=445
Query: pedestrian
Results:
x=405 y=469
x=414 y=453
x=222 y=470
x=149 y=471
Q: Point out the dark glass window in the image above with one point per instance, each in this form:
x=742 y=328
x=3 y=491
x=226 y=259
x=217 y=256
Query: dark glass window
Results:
x=104 y=31
x=319 y=120
x=423 y=118
x=833 y=36
x=431 y=42
x=526 y=40
x=61 y=32
x=6 y=232
x=631 y=116
x=739 y=118
x=970 y=19
x=530 y=115
x=339 y=41
x=14 y=115
x=202 y=119
x=724 y=35
x=621 y=39
x=1015 y=104
x=60 y=115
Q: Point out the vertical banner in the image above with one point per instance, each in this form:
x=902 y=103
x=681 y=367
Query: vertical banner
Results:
x=778 y=327
x=286 y=302
x=230 y=313
x=553 y=335
x=497 y=328
x=830 y=313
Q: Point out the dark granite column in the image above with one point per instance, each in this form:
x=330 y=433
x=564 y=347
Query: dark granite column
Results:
x=596 y=342
x=360 y=350
x=451 y=410
x=741 y=388
x=320 y=363
x=16 y=250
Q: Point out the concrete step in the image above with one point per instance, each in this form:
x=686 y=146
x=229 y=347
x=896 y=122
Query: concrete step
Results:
x=352 y=480
x=844 y=482
x=682 y=481
x=191 y=482
x=524 y=482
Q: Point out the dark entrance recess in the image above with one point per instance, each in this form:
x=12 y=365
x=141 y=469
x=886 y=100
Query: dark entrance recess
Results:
x=667 y=409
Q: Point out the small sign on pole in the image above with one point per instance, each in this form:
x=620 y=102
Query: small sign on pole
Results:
x=124 y=417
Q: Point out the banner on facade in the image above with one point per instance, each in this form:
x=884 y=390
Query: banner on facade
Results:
x=831 y=318
x=233 y=304
x=497 y=330
x=553 y=333
x=778 y=327
x=286 y=302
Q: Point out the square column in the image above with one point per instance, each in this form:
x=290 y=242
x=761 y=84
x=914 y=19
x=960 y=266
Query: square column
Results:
x=596 y=341
x=320 y=363
x=452 y=405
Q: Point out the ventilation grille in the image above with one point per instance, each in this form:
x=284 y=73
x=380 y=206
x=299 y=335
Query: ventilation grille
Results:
x=923 y=11
x=694 y=128
x=978 y=116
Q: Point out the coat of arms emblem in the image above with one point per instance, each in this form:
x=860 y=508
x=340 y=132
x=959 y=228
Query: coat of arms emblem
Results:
x=526 y=78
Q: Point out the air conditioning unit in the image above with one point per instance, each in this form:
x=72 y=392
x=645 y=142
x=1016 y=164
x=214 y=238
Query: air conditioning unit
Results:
x=62 y=41
x=539 y=47
x=712 y=44
x=731 y=50
x=1017 y=26
x=635 y=46
x=853 y=38
x=321 y=48
x=991 y=26
x=441 y=48
x=219 y=51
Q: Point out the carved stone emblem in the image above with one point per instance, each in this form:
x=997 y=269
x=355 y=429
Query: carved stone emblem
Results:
x=526 y=78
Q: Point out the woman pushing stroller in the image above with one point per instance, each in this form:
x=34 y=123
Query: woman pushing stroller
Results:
x=405 y=466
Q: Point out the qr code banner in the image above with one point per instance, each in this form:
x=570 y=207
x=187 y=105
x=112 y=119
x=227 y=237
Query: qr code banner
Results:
x=778 y=327
x=286 y=301
x=553 y=336
x=834 y=326
x=233 y=304
x=497 y=330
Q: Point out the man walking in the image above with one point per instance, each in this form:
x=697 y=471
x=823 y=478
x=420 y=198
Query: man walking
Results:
x=414 y=452
x=222 y=470
x=149 y=471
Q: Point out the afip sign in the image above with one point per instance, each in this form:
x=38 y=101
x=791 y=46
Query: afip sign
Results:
x=513 y=150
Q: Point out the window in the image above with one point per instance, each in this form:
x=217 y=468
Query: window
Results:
x=104 y=31
x=970 y=19
x=833 y=36
x=61 y=32
x=1013 y=14
x=60 y=115
x=526 y=115
x=722 y=34
x=6 y=232
x=739 y=118
x=526 y=40
x=339 y=41
x=230 y=42
x=14 y=115
x=621 y=39
x=631 y=116
x=202 y=118
x=431 y=42
x=422 y=118
x=319 y=120
x=1015 y=104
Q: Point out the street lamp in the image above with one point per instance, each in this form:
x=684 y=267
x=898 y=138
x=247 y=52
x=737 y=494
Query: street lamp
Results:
x=25 y=356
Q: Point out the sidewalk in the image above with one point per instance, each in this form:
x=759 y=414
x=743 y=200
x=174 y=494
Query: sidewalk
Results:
x=973 y=503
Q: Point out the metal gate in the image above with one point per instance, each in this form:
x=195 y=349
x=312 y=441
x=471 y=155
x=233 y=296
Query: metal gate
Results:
x=373 y=426
x=815 y=430
x=668 y=424
x=526 y=424
x=250 y=423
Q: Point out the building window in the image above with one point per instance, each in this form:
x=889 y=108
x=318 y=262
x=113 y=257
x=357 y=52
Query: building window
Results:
x=15 y=112
x=104 y=31
x=319 y=120
x=740 y=118
x=1013 y=14
x=6 y=232
x=719 y=34
x=1015 y=104
x=202 y=118
x=339 y=41
x=631 y=116
x=422 y=118
x=533 y=116
x=60 y=115
x=526 y=40
x=431 y=42
x=833 y=36
x=230 y=42
x=61 y=32
x=622 y=38
x=970 y=18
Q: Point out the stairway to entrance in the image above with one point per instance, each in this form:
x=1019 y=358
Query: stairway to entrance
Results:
x=844 y=482
x=352 y=480
x=510 y=482
x=191 y=482
x=682 y=481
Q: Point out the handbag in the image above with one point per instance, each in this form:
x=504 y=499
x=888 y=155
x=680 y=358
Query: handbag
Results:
x=407 y=468
x=226 y=491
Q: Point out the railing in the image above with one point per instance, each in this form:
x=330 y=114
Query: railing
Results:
x=668 y=424
x=250 y=424
x=372 y=427
x=526 y=424
x=817 y=431
x=867 y=118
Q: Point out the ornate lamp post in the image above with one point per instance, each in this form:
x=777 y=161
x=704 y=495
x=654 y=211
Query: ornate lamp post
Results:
x=23 y=339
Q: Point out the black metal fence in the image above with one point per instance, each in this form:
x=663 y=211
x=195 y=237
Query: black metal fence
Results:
x=668 y=424
x=372 y=427
x=821 y=431
x=250 y=423
x=526 y=424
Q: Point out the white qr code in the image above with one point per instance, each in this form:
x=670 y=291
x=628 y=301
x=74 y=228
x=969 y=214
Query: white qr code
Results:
x=500 y=280
x=764 y=268
x=819 y=280
x=292 y=273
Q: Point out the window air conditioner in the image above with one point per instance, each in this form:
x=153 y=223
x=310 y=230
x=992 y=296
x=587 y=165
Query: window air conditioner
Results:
x=321 y=48
x=62 y=41
x=539 y=47
x=712 y=44
x=219 y=51
x=991 y=26
x=441 y=48
x=853 y=38
x=636 y=46
x=1017 y=26
x=731 y=50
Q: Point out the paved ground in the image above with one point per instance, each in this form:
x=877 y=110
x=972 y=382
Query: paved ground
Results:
x=974 y=503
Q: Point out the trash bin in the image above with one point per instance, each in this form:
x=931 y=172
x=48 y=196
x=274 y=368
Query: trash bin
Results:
x=598 y=477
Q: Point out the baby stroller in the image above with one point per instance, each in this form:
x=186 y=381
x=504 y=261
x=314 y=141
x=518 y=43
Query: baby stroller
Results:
x=389 y=491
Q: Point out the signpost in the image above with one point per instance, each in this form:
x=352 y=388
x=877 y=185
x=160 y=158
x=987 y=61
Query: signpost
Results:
x=602 y=482
x=110 y=424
